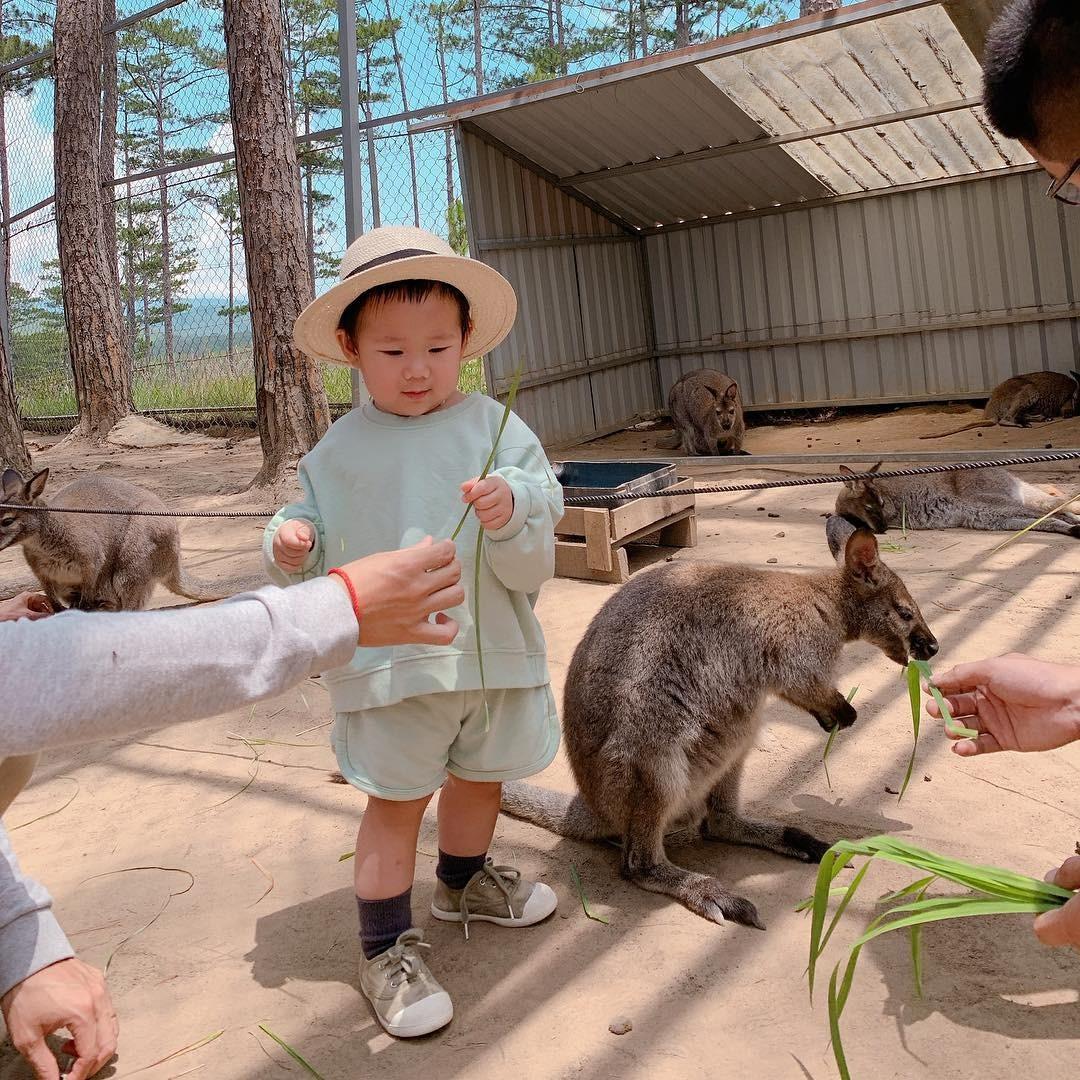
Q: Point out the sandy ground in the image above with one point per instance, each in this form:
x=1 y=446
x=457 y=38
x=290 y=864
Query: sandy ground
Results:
x=266 y=931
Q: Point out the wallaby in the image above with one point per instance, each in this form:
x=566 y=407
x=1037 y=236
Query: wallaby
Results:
x=663 y=703
x=97 y=562
x=707 y=413
x=988 y=499
x=1039 y=395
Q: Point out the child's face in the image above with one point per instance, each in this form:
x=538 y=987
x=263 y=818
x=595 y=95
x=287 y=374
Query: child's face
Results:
x=409 y=354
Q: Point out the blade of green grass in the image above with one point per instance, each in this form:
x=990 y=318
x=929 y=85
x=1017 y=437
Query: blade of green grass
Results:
x=1027 y=528
x=189 y=1049
x=292 y=1053
x=584 y=900
x=915 y=697
x=829 y=741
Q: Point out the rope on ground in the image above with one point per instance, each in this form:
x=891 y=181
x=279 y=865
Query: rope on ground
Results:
x=601 y=500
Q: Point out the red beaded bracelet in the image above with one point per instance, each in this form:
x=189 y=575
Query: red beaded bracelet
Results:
x=353 y=598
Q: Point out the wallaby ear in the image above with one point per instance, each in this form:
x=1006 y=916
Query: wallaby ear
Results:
x=877 y=467
x=849 y=484
x=36 y=485
x=861 y=556
x=11 y=484
x=732 y=392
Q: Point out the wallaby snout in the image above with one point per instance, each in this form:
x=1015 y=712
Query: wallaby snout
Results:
x=923 y=646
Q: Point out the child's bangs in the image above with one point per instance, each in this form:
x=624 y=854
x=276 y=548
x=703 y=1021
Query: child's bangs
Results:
x=413 y=291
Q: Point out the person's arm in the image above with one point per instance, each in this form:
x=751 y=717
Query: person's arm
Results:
x=30 y=936
x=42 y=986
x=521 y=553
x=202 y=661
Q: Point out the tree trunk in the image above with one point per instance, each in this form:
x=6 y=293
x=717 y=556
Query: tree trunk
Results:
x=373 y=161
x=110 y=107
x=129 y=252
x=289 y=395
x=13 y=452
x=815 y=7
x=405 y=108
x=478 y=48
x=682 y=26
x=91 y=307
x=440 y=56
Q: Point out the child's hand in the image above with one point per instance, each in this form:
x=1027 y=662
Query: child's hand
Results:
x=492 y=500
x=292 y=542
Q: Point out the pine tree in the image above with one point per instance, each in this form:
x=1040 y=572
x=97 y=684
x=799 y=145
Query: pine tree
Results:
x=162 y=61
x=311 y=43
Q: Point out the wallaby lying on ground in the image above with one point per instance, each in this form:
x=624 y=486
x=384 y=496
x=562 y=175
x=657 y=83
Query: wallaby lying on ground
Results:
x=98 y=562
x=663 y=702
x=707 y=414
x=1039 y=395
x=988 y=499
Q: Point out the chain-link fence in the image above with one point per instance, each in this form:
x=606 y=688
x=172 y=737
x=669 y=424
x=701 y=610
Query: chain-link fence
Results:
x=178 y=246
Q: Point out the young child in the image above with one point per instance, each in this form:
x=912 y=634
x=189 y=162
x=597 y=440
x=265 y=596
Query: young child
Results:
x=407 y=312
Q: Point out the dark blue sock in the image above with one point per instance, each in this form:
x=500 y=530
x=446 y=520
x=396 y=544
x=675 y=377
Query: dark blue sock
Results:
x=454 y=871
x=383 y=921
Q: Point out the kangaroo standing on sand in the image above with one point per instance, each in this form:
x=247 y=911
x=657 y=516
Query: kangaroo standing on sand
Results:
x=97 y=562
x=707 y=413
x=663 y=703
x=988 y=499
x=1039 y=395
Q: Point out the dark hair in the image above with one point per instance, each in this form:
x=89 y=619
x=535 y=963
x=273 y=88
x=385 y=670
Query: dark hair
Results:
x=1031 y=75
x=410 y=292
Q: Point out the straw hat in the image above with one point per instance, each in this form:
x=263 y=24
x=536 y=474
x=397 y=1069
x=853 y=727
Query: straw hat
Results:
x=401 y=253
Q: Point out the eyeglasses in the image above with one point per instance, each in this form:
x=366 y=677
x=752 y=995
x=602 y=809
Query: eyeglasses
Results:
x=1067 y=188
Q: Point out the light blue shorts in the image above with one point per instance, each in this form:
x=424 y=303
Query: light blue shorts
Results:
x=404 y=751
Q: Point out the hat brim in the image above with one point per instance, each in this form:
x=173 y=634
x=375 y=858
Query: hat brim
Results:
x=492 y=302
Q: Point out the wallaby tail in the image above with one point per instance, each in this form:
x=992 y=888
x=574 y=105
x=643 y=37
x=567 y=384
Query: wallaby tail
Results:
x=668 y=442
x=564 y=815
x=193 y=588
x=956 y=431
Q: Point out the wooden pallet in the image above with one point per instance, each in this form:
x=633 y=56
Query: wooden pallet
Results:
x=590 y=543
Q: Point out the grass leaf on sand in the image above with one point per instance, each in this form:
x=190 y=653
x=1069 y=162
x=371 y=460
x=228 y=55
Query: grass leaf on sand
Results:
x=584 y=899
x=189 y=1049
x=291 y=1052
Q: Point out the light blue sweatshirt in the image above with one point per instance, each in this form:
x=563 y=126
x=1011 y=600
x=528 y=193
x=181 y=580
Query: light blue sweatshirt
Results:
x=377 y=482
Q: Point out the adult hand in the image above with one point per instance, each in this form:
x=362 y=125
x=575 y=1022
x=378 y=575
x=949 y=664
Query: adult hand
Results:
x=1062 y=927
x=1015 y=703
x=27 y=605
x=292 y=542
x=398 y=591
x=68 y=994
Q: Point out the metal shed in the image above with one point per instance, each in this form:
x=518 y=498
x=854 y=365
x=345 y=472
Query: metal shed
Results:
x=820 y=209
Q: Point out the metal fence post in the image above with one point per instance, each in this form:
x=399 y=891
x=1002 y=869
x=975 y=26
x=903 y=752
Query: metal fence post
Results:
x=350 y=139
x=5 y=313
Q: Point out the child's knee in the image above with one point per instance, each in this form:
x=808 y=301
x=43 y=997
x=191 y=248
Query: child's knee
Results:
x=395 y=811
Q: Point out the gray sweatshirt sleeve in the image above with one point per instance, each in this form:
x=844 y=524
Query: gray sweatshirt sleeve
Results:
x=30 y=937
x=77 y=677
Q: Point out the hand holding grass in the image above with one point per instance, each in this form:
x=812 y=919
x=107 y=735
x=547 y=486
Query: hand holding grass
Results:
x=491 y=498
x=1014 y=702
x=1062 y=927
x=292 y=542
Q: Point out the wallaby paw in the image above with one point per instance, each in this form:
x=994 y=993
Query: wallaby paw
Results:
x=843 y=715
x=709 y=899
x=1074 y=530
x=804 y=846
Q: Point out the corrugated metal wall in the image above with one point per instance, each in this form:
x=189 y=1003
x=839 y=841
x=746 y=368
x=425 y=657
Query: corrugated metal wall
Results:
x=935 y=293
x=582 y=334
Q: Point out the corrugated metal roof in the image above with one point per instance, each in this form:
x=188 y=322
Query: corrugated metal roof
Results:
x=682 y=142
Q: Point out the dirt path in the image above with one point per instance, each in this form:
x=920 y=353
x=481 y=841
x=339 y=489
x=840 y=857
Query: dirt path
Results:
x=705 y=1001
